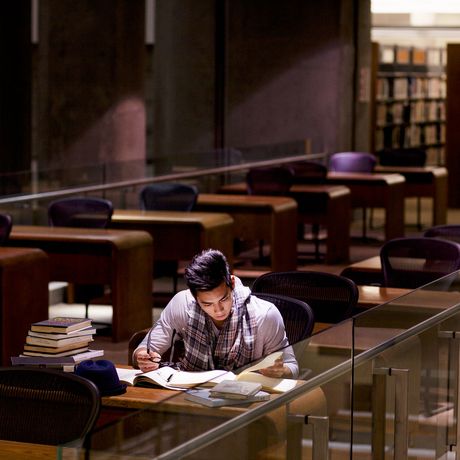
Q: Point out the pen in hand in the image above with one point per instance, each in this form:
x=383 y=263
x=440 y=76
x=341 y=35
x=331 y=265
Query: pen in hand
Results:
x=169 y=378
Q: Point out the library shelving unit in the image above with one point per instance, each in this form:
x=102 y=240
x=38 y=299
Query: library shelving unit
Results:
x=410 y=101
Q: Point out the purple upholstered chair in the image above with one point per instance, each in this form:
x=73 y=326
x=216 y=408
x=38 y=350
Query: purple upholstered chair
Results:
x=444 y=232
x=412 y=262
x=352 y=162
x=362 y=162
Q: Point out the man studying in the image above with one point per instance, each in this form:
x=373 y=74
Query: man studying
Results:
x=221 y=324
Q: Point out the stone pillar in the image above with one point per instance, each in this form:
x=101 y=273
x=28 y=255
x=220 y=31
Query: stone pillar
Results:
x=90 y=89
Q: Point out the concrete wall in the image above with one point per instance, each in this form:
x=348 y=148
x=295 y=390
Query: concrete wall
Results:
x=289 y=74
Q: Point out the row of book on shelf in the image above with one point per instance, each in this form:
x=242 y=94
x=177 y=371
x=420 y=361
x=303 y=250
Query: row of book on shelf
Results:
x=60 y=342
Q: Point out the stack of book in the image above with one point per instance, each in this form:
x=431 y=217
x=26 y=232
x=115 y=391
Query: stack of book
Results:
x=58 y=342
x=228 y=392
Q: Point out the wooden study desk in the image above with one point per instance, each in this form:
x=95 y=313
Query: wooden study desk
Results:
x=12 y=450
x=24 y=278
x=121 y=259
x=179 y=235
x=424 y=181
x=269 y=218
x=376 y=191
x=321 y=204
x=367 y=271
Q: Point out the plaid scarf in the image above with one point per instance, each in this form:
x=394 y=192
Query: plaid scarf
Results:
x=231 y=348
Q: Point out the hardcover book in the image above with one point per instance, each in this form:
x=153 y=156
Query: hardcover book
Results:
x=235 y=389
x=52 y=349
x=56 y=360
x=57 y=343
x=203 y=396
x=61 y=324
x=57 y=336
x=63 y=353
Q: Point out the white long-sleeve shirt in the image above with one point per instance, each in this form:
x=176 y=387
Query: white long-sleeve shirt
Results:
x=270 y=337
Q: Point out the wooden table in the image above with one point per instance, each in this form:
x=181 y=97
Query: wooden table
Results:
x=376 y=191
x=24 y=278
x=424 y=181
x=11 y=450
x=269 y=218
x=122 y=259
x=367 y=271
x=319 y=204
x=179 y=235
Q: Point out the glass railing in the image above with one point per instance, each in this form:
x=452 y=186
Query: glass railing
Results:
x=26 y=195
x=383 y=384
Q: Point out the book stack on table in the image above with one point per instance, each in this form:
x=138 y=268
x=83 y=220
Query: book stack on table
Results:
x=58 y=342
x=228 y=393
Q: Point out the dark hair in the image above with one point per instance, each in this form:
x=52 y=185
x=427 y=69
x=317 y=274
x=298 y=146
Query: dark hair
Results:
x=206 y=271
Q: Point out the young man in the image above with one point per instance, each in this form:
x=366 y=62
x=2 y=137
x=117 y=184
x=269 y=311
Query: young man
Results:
x=221 y=324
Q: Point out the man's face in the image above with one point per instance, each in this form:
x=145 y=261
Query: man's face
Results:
x=217 y=303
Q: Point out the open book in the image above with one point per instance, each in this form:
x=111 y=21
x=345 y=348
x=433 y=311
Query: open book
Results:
x=173 y=379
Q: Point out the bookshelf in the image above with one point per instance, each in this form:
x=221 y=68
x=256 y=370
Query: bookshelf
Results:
x=410 y=100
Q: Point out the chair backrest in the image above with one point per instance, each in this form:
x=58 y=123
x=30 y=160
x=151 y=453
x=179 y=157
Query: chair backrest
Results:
x=273 y=180
x=352 y=162
x=85 y=212
x=168 y=196
x=309 y=172
x=445 y=232
x=6 y=223
x=403 y=157
x=413 y=262
x=298 y=316
x=331 y=297
x=136 y=339
x=46 y=406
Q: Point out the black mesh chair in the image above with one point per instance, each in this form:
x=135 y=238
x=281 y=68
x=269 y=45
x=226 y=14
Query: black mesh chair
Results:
x=6 y=224
x=46 y=406
x=361 y=162
x=82 y=212
x=168 y=196
x=271 y=180
x=298 y=316
x=309 y=172
x=444 y=232
x=412 y=262
x=332 y=298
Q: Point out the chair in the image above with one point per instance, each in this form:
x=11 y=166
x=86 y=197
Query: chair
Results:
x=270 y=180
x=406 y=157
x=136 y=339
x=332 y=298
x=310 y=172
x=82 y=212
x=46 y=406
x=168 y=197
x=6 y=224
x=354 y=162
x=412 y=262
x=298 y=316
x=445 y=232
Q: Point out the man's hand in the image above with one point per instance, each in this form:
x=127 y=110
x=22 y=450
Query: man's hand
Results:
x=147 y=361
x=278 y=370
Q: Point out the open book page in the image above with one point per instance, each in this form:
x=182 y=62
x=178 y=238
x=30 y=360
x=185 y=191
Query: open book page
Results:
x=173 y=379
x=272 y=384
